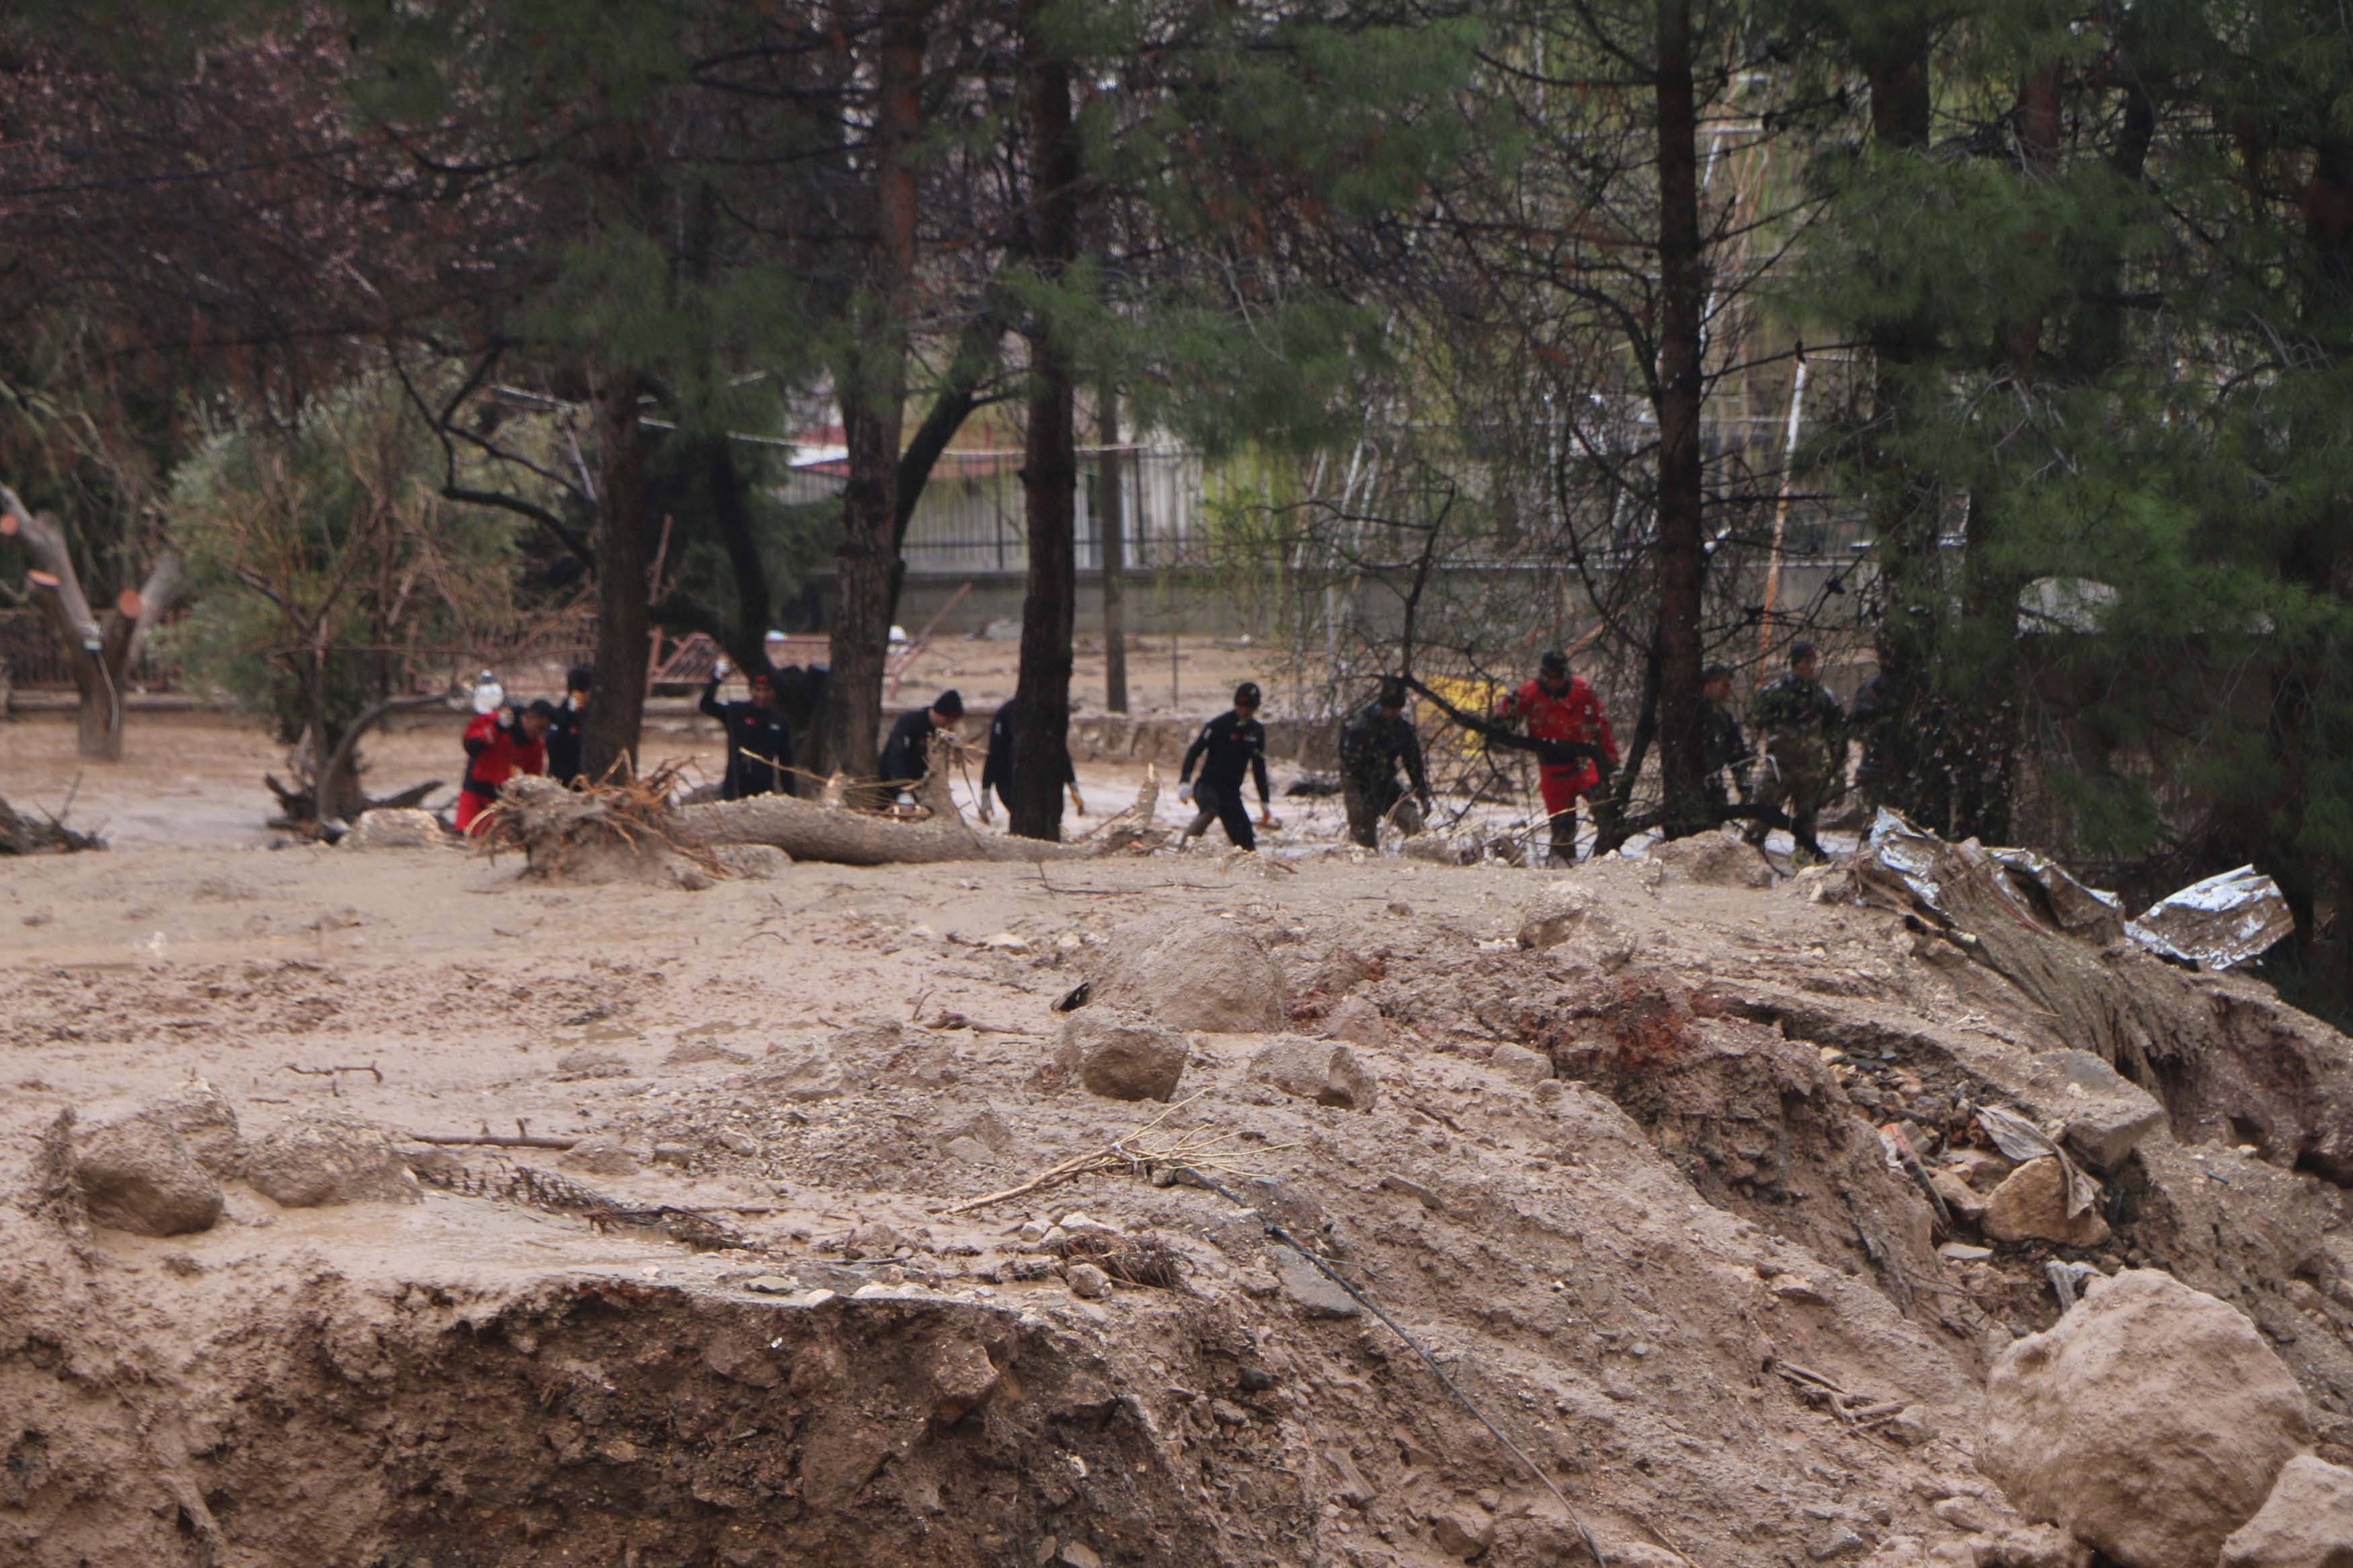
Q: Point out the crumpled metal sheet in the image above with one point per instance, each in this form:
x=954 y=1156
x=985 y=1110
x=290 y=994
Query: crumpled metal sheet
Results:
x=2218 y=923
x=1900 y=848
x=2087 y=912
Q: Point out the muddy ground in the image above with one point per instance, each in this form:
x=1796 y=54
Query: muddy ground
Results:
x=1628 y=1190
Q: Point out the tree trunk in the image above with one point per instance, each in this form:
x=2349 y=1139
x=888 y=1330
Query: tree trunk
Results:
x=58 y=588
x=1111 y=525
x=1049 y=469
x=609 y=731
x=1682 y=301
x=871 y=380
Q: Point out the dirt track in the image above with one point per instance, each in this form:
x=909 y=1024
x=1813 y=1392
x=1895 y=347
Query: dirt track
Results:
x=1621 y=1264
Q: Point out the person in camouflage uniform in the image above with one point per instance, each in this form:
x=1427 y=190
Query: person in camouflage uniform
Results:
x=1801 y=741
x=1373 y=741
x=1722 y=747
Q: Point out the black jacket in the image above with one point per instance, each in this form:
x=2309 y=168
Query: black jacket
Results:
x=1722 y=746
x=1371 y=745
x=907 y=754
x=759 y=746
x=564 y=744
x=1233 y=745
x=997 y=768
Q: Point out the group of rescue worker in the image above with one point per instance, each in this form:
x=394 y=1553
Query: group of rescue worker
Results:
x=1788 y=770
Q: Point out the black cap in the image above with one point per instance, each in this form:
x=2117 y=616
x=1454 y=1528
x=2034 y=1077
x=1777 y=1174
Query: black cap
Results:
x=1247 y=692
x=1714 y=673
x=949 y=702
x=1800 y=650
x=1554 y=662
x=579 y=678
x=1392 y=692
x=542 y=706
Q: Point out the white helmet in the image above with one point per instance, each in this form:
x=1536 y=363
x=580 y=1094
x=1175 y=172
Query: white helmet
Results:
x=488 y=695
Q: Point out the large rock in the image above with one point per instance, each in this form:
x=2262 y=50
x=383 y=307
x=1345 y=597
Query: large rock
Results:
x=2149 y=1421
x=137 y=1175
x=1122 y=1056
x=1321 y=1070
x=1202 y=973
x=396 y=828
x=206 y=1121
x=2306 y=1522
x=2031 y=1204
x=2105 y=1113
x=314 y=1161
x=1569 y=914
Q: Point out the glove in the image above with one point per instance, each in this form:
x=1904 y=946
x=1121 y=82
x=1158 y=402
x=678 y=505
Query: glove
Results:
x=1078 y=803
x=722 y=669
x=1185 y=794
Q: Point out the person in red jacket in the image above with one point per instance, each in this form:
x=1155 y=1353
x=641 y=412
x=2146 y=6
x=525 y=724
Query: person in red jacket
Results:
x=500 y=744
x=1560 y=706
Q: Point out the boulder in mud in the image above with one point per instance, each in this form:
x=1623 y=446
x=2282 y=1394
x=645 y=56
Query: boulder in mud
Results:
x=2031 y=1204
x=1358 y=1022
x=1206 y=974
x=2107 y=1114
x=206 y=1121
x=1122 y=1056
x=2150 y=1422
x=1566 y=913
x=1321 y=1070
x=315 y=1161
x=2306 y=1522
x=137 y=1175
x=1721 y=859
x=396 y=828
x=602 y=1155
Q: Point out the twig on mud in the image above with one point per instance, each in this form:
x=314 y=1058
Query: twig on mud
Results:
x=490 y=1141
x=1148 y=1147
x=334 y=1075
x=1275 y=1230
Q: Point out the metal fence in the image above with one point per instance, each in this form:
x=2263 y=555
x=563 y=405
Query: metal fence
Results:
x=970 y=520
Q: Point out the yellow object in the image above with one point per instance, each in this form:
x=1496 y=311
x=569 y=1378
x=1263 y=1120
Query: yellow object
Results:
x=1440 y=736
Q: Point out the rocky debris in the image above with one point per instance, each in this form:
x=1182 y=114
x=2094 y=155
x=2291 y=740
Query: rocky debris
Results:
x=396 y=828
x=1206 y=974
x=1321 y=1070
x=801 y=1074
x=1521 y=1064
x=2150 y=1422
x=1964 y=1201
x=315 y=1161
x=1721 y=859
x=136 y=1173
x=206 y=1121
x=686 y=1053
x=1569 y=914
x=591 y=1061
x=1358 y=1022
x=1309 y=1287
x=2306 y=1522
x=986 y=1127
x=2032 y=1546
x=1462 y=1532
x=603 y=1155
x=2031 y=1204
x=2107 y=1114
x=962 y=1375
x=759 y=862
x=1120 y=1056
x=1089 y=1281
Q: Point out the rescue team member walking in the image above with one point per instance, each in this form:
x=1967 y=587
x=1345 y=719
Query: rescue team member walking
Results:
x=563 y=732
x=500 y=743
x=996 y=767
x=1721 y=744
x=1374 y=739
x=1229 y=745
x=907 y=754
x=1560 y=706
x=759 y=744
x=1801 y=737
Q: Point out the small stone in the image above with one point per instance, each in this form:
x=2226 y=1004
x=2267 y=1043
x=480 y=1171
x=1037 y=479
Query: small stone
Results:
x=603 y=1155
x=1310 y=1287
x=1964 y=1200
x=2306 y=1522
x=1414 y=1190
x=772 y=1285
x=1320 y=1070
x=1358 y=1022
x=1962 y=1513
x=2031 y=1205
x=803 y=1077
x=1462 y=1533
x=1962 y=1252
x=1075 y=1555
x=1798 y=1293
x=737 y=1142
x=1913 y=1426
x=1089 y=1282
x=206 y=1121
x=590 y=1061
x=962 y=1375
x=1520 y=1064
x=1225 y=1413
x=968 y=1152
x=687 y=1052
x=1122 y=1056
x=2107 y=1114
x=1835 y=1544
x=673 y=1154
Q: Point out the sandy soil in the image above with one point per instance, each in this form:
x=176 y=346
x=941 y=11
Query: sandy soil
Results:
x=1618 y=1263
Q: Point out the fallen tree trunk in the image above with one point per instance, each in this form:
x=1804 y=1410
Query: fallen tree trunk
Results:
x=20 y=836
x=819 y=830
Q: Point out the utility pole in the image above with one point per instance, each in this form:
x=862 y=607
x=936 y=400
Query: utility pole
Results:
x=1111 y=524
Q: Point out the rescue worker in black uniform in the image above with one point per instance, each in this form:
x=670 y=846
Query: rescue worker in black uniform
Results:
x=907 y=754
x=997 y=768
x=1801 y=738
x=759 y=742
x=1722 y=746
x=1374 y=739
x=1228 y=746
x=563 y=733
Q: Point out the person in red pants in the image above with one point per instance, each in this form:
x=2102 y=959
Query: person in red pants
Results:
x=500 y=743
x=1560 y=706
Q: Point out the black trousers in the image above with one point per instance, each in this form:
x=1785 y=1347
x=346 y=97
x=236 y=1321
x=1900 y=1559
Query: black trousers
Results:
x=1225 y=805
